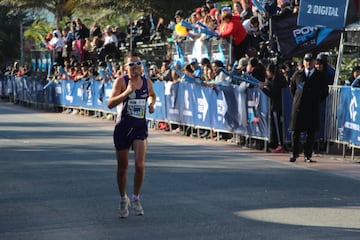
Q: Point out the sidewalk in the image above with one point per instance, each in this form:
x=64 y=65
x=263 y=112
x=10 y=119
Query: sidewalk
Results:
x=332 y=162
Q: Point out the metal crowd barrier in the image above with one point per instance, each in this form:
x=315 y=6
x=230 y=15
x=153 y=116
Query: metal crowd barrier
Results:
x=193 y=105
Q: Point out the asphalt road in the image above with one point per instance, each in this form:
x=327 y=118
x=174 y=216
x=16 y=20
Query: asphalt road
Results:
x=57 y=181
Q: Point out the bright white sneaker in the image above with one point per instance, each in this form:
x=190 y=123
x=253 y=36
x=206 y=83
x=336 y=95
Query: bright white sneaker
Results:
x=136 y=205
x=124 y=208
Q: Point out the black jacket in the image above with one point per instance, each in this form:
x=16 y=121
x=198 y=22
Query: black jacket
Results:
x=307 y=93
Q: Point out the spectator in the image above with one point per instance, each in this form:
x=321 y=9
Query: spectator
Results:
x=284 y=8
x=180 y=33
x=215 y=17
x=81 y=33
x=131 y=31
x=95 y=31
x=67 y=70
x=206 y=69
x=26 y=70
x=220 y=77
x=198 y=14
x=144 y=26
x=160 y=30
x=210 y=4
x=110 y=43
x=237 y=9
x=57 y=44
x=165 y=71
x=84 y=73
x=322 y=64
x=295 y=6
x=273 y=89
x=77 y=72
x=121 y=36
x=232 y=27
x=243 y=62
x=252 y=28
x=174 y=76
x=205 y=11
x=68 y=37
x=193 y=19
x=153 y=72
x=355 y=73
x=246 y=10
x=196 y=68
x=287 y=69
x=256 y=69
x=309 y=88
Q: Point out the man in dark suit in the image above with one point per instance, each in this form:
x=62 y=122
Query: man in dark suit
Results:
x=309 y=88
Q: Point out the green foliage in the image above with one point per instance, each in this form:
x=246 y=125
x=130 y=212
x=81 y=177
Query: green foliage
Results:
x=38 y=31
x=9 y=35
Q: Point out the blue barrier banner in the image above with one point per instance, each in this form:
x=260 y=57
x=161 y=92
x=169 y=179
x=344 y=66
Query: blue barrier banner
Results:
x=348 y=115
x=258 y=110
x=10 y=86
x=202 y=116
x=241 y=93
x=160 y=106
x=329 y=13
x=97 y=89
x=2 y=86
x=173 y=100
x=59 y=92
x=218 y=110
x=187 y=108
x=27 y=84
x=88 y=94
x=107 y=94
x=69 y=91
x=287 y=100
x=18 y=93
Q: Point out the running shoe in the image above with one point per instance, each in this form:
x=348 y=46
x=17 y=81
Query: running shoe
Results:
x=138 y=209
x=124 y=207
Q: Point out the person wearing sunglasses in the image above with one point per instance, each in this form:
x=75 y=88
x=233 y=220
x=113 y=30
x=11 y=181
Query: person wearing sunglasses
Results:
x=133 y=95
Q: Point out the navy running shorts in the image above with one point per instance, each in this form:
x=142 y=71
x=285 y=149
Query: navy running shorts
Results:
x=124 y=136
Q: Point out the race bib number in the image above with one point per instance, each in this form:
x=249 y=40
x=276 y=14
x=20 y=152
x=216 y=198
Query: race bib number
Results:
x=136 y=108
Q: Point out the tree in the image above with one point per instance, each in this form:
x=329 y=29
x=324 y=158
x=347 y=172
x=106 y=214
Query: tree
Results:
x=60 y=8
x=10 y=35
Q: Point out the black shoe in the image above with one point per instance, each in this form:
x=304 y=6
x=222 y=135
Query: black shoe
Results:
x=309 y=160
x=293 y=157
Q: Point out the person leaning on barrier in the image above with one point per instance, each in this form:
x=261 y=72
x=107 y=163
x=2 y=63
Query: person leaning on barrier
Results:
x=309 y=88
x=241 y=67
x=232 y=27
x=165 y=71
x=220 y=77
x=272 y=87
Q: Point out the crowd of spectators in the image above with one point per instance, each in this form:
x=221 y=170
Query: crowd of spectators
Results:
x=94 y=53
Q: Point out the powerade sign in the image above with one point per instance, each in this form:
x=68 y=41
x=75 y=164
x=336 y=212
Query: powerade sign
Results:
x=304 y=34
x=329 y=13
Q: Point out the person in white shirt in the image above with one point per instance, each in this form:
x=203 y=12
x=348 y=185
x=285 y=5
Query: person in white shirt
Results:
x=57 y=44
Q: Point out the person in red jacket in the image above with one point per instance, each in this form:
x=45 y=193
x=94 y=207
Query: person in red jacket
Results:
x=232 y=27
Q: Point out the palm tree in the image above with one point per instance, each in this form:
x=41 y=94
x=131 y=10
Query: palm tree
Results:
x=60 y=8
